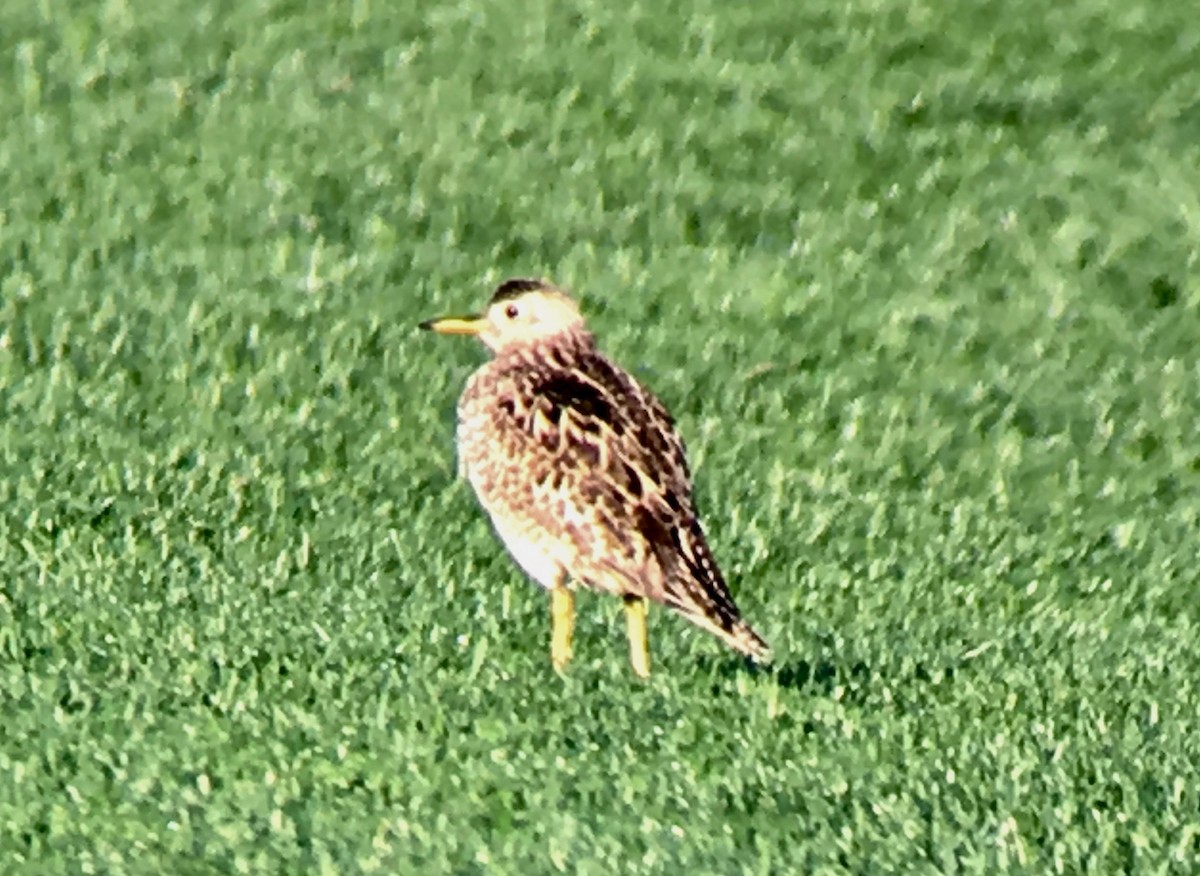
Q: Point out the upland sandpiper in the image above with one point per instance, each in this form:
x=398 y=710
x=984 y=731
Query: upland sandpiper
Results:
x=583 y=473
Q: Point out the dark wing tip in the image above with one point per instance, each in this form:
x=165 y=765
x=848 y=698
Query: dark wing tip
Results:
x=517 y=286
x=746 y=639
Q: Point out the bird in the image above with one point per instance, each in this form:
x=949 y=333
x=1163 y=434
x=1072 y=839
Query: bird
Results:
x=584 y=474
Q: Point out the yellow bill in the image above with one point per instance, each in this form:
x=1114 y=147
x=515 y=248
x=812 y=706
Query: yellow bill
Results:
x=455 y=325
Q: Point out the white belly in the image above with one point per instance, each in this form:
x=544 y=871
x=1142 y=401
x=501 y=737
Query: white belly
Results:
x=537 y=563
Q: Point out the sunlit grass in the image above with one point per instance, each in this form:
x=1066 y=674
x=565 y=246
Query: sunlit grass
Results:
x=919 y=282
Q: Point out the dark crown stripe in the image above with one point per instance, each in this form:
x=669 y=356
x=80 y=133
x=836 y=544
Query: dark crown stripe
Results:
x=516 y=286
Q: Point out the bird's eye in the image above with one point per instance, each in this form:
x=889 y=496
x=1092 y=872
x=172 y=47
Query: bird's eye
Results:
x=511 y=311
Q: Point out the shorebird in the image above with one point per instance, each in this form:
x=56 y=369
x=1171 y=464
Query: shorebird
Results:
x=583 y=473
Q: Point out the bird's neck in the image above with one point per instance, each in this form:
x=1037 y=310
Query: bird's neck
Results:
x=563 y=349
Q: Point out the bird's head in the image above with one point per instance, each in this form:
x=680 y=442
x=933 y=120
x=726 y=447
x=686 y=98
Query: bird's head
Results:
x=522 y=313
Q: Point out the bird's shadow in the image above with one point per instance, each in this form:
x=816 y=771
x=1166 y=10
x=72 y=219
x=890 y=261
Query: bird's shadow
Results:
x=818 y=677
x=823 y=677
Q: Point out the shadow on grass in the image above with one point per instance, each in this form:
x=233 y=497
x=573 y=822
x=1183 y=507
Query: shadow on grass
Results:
x=823 y=677
x=818 y=677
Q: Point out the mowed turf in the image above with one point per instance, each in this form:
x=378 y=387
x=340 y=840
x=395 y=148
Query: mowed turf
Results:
x=919 y=281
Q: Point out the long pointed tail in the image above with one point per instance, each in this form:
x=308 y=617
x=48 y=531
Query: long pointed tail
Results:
x=698 y=591
x=739 y=635
x=746 y=639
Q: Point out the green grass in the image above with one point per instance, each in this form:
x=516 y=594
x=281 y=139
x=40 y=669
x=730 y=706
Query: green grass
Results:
x=920 y=281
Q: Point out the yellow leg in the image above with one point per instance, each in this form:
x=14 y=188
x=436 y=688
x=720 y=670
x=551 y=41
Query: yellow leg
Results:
x=635 y=623
x=562 y=616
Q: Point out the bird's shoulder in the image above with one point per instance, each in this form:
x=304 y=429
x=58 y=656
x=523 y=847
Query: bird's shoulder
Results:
x=595 y=427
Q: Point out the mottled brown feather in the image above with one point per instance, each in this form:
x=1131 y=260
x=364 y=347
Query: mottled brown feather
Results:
x=580 y=463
